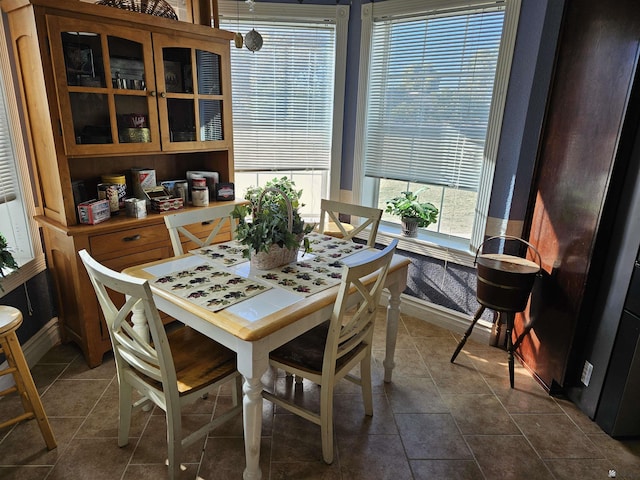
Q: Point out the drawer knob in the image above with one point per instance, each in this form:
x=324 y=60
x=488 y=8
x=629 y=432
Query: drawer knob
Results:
x=132 y=238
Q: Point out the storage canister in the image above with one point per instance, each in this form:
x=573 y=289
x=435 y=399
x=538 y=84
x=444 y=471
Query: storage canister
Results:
x=142 y=178
x=109 y=191
x=120 y=181
x=200 y=196
x=181 y=190
x=199 y=192
x=136 y=207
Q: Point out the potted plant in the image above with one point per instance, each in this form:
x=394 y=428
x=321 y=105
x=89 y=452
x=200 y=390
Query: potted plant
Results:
x=275 y=232
x=412 y=212
x=6 y=259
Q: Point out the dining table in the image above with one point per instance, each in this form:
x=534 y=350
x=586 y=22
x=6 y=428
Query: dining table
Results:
x=265 y=319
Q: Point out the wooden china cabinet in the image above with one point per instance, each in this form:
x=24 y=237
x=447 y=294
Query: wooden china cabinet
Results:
x=85 y=71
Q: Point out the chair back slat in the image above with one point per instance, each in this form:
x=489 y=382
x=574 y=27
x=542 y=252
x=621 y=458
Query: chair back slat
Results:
x=217 y=216
x=369 y=218
x=352 y=325
x=142 y=359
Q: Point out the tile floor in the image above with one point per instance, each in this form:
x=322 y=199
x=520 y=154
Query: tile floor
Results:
x=435 y=420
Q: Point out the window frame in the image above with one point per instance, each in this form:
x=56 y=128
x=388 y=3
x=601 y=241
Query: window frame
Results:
x=19 y=137
x=339 y=14
x=432 y=244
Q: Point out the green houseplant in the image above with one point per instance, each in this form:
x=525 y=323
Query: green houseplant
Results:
x=6 y=259
x=276 y=230
x=412 y=212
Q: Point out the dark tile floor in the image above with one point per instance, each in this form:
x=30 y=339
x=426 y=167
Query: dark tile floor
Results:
x=435 y=420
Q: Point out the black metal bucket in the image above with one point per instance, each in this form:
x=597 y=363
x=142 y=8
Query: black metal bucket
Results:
x=504 y=282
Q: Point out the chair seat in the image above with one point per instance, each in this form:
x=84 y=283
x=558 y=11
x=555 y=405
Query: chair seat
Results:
x=306 y=352
x=199 y=361
x=332 y=229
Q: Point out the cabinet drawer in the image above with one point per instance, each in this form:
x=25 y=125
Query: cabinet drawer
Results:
x=128 y=241
x=119 y=263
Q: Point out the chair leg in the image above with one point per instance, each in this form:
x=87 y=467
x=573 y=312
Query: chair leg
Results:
x=326 y=422
x=236 y=391
x=365 y=383
x=174 y=442
x=236 y=394
x=125 y=397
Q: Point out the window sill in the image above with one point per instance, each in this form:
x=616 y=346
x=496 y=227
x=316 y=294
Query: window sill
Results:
x=448 y=249
x=22 y=275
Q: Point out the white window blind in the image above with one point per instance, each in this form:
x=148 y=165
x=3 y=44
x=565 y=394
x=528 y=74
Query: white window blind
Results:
x=8 y=177
x=283 y=96
x=14 y=224
x=16 y=199
x=431 y=86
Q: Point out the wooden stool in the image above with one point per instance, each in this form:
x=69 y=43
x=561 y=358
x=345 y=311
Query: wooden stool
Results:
x=10 y=320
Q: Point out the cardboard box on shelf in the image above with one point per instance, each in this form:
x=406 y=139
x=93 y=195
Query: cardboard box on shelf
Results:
x=94 y=211
x=161 y=200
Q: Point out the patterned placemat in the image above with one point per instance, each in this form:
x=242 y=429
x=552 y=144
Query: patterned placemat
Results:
x=227 y=254
x=322 y=269
x=326 y=247
x=331 y=248
x=305 y=277
x=210 y=287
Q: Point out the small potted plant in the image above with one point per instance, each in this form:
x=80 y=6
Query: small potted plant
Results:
x=275 y=232
x=412 y=212
x=6 y=259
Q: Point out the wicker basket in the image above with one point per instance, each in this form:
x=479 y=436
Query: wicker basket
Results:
x=276 y=255
x=159 y=8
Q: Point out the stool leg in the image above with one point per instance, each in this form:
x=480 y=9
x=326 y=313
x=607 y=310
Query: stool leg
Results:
x=476 y=317
x=510 y=320
x=496 y=329
x=26 y=387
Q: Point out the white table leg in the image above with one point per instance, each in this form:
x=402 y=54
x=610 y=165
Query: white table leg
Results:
x=252 y=419
x=139 y=321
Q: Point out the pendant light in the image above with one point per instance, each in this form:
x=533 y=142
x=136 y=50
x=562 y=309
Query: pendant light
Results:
x=252 y=40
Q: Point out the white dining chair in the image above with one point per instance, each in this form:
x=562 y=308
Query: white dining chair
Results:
x=327 y=353
x=369 y=218
x=173 y=370
x=216 y=216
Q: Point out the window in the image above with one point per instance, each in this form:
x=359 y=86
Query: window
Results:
x=436 y=87
x=16 y=201
x=287 y=100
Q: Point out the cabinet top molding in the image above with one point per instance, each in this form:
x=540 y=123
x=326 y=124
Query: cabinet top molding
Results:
x=79 y=9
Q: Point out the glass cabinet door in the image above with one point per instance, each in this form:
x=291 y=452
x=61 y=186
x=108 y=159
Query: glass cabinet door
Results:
x=192 y=93
x=105 y=82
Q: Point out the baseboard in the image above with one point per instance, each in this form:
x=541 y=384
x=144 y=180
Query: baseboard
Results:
x=35 y=348
x=442 y=317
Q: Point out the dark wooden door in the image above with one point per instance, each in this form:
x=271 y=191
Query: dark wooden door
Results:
x=596 y=63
